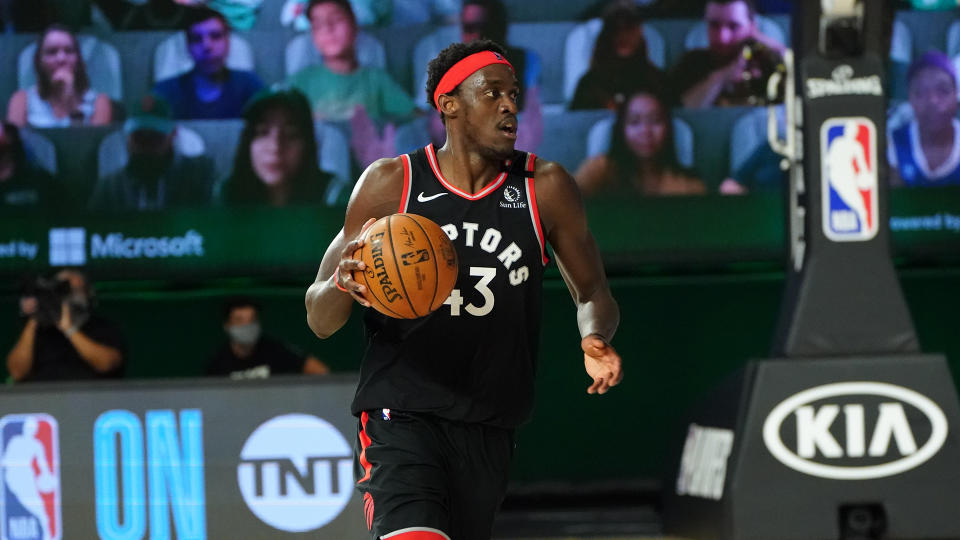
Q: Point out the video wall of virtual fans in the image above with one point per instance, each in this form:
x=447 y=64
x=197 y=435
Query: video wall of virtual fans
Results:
x=155 y=139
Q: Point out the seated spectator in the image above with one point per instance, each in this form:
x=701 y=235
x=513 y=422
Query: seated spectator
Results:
x=156 y=176
x=619 y=65
x=210 y=89
x=63 y=338
x=642 y=159
x=926 y=150
x=22 y=185
x=734 y=69
x=338 y=86
x=62 y=96
x=276 y=161
x=248 y=354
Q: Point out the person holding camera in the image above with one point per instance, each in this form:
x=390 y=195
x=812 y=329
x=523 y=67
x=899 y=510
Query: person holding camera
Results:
x=734 y=69
x=63 y=339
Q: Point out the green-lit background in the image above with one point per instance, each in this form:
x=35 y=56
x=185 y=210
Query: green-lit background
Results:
x=698 y=281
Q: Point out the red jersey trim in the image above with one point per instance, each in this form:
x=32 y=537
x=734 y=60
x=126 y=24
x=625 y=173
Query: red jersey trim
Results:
x=416 y=533
x=365 y=443
x=534 y=211
x=432 y=158
x=405 y=196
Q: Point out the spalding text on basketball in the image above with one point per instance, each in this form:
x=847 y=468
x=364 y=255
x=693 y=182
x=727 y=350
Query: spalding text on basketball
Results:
x=376 y=251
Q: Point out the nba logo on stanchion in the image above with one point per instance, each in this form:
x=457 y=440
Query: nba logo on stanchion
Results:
x=848 y=154
x=30 y=478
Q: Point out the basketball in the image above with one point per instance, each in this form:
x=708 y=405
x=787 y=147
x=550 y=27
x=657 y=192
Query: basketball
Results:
x=411 y=266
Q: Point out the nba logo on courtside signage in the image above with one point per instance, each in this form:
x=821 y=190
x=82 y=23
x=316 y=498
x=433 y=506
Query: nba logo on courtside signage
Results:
x=30 y=478
x=848 y=154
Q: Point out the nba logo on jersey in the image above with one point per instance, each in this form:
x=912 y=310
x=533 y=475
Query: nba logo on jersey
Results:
x=848 y=157
x=30 y=478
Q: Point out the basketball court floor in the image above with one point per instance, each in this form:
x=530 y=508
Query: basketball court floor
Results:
x=592 y=521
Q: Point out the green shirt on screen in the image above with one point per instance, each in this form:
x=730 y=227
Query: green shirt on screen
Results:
x=933 y=4
x=334 y=96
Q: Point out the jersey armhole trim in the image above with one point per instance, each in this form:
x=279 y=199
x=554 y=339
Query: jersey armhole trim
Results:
x=534 y=211
x=405 y=195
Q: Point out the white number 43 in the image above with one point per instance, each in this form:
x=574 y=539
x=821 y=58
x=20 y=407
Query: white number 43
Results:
x=486 y=275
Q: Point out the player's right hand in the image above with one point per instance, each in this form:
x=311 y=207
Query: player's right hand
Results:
x=346 y=267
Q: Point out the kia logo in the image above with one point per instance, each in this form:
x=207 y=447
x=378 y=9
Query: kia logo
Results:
x=848 y=431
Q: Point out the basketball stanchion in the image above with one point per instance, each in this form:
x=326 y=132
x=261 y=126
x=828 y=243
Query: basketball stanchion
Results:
x=848 y=431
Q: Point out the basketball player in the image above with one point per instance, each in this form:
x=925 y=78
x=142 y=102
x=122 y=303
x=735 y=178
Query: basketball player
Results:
x=439 y=397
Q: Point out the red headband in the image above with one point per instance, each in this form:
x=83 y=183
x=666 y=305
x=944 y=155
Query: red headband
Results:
x=463 y=69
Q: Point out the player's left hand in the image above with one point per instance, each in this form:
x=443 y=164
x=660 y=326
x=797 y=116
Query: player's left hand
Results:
x=602 y=364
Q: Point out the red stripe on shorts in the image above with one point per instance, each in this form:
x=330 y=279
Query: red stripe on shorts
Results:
x=368 y=509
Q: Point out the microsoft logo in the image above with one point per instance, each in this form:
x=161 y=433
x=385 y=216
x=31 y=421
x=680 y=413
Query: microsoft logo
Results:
x=68 y=247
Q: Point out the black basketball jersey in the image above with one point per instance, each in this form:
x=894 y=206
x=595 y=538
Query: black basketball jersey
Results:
x=473 y=359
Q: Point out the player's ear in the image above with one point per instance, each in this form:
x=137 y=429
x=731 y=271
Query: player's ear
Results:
x=449 y=105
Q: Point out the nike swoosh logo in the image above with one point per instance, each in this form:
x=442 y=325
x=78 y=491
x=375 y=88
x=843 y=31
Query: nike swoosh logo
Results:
x=423 y=198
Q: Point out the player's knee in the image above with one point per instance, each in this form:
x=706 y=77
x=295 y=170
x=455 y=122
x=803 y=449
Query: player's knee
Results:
x=416 y=533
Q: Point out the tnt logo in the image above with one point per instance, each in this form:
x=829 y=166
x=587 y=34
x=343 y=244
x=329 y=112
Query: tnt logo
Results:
x=849 y=157
x=30 y=475
x=296 y=472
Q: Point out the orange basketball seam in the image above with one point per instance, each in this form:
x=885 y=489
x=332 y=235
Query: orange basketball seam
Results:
x=436 y=268
x=393 y=248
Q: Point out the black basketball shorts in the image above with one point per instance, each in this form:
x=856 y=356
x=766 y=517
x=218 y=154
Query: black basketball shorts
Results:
x=427 y=478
